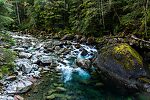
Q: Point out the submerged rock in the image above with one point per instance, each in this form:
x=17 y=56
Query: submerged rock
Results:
x=120 y=64
x=61 y=89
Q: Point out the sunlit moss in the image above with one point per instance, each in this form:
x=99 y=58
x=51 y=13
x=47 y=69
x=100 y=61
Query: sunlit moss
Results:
x=130 y=56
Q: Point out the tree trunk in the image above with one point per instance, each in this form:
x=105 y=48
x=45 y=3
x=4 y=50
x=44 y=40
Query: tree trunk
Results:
x=17 y=10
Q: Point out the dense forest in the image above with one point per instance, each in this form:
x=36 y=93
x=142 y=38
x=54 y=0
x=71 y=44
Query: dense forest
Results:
x=100 y=47
x=87 y=17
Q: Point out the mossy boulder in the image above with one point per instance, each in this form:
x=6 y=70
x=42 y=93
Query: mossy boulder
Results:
x=121 y=64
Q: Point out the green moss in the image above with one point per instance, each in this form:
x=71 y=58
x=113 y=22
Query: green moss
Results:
x=127 y=55
x=7 y=58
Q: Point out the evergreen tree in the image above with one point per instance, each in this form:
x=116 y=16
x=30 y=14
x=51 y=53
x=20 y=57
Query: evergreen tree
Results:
x=5 y=10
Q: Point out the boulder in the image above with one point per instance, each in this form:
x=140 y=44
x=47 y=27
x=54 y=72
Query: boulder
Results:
x=122 y=65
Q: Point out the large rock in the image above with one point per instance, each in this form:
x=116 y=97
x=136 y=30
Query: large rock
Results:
x=83 y=63
x=17 y=87
x=122 y=65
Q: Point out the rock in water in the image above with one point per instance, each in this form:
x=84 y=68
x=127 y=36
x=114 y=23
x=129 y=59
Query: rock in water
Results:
x=61 y=89
x=120 y=64
x=83 y=63
x=84 y=52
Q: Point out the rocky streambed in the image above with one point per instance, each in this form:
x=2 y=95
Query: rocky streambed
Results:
x=48 y=69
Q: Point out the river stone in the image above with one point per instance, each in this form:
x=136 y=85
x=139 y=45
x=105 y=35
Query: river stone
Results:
x=51 y=91
x=11 y=78
x=83 y=63
x=51 y=97
x=57 y=48
x=17 y=86
x=34 y=60
x=78 y=37
x=24 y=65
x=84 y=52
x=61 y=89
x=26 y=68
x=91 y=40
x=46 y=59
x=83 y=40
x=19 y=49
x=24 y=55
x=77 y=46
x=18 y=97
x=6 y=97
x=120 y=64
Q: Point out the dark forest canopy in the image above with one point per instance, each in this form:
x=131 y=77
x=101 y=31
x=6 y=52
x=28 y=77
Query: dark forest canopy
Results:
x=87 y=17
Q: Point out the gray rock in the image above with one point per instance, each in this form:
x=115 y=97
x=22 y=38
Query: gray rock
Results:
x=46 y=59
x=26 y=68
x=57 y=48
x=17 y=86
x=19 y=49
x=24 y=55
x=6 y=97
x=24 y=65
x=34 y=60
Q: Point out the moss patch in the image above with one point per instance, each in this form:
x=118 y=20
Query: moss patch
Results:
x=127 y=55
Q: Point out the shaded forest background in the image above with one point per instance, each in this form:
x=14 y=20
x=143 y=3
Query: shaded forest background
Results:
x=86 y=17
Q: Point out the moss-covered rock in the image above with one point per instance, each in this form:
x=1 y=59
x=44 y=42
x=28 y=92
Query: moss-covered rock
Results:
x=122 y=59
x=121 y=64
